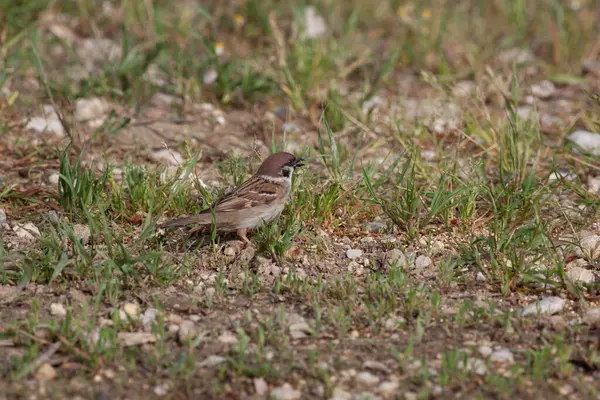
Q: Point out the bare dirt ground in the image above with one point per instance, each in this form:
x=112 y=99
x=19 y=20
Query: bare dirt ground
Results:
x=443 y=240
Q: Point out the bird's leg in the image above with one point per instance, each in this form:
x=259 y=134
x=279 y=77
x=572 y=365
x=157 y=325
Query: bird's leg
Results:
x=242 y=235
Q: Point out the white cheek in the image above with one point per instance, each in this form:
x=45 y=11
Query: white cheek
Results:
x=289 y=171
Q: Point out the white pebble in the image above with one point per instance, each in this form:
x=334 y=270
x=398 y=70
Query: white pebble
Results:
x=58 y=310
x=547 y=306
x=354 y=253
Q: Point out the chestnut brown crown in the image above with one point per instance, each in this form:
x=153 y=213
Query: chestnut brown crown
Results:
x=275 y=164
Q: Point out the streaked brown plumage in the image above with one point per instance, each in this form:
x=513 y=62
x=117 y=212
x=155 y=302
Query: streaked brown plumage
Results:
x=260 y=198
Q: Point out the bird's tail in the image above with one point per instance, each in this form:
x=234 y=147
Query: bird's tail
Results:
x=185 y=221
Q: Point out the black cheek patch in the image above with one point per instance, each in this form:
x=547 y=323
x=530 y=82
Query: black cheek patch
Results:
x=286 y=172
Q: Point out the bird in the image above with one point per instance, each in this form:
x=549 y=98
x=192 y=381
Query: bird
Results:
x=260 y=199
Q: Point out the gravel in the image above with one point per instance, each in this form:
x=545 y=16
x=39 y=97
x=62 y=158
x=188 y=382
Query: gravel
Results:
x=588 y=141
x=423 y=262
x=58 y=310
x=128 y=339
x=27 y=232
x=502 y=356
x=547 y=306
x=354 y=253
x=285 y=392
x=367 y=378
x=211 y=361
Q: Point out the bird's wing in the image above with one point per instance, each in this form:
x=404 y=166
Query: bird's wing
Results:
x=252 y=193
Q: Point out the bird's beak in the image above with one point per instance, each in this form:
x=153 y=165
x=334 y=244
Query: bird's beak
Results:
x=299 y=162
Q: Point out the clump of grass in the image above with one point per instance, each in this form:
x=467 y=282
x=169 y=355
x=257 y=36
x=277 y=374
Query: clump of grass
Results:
x=79 y=190
x=412 y=206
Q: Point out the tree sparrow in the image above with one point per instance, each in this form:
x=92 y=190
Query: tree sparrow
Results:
x=260 y=198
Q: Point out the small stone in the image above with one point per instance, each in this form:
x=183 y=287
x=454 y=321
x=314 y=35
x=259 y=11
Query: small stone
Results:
x=589 y=247
x=175 y=319
x=58 y=310
x=195 y=318
x=428 y=155
x=423 y=262
x=228 y=338
x=173 y=328
x=131 y=310
x=354 y=253
x=314 y=24
x=300 y=330
x=298 y=326
x=340 y=394
x=485 y=351
x=211 y=361
x=161 y=390
x=285 y=392
x=594 y=184
x=516 y=56
x=367 y=378
x=90 y=108
x=547 y=306
x=388 y=388
x=3 y=220
x=187 y=331
x=477 y=366
x=82 y=233
x=166 y=156
x=53 y=179
x=411 y=396
x=135 y=338
x=117 y=174
x=592 y=315
x=543 y=89
x=27 y=232
x=50 y=123
x=260 y=386
x=502 y=356
x=565 y=390
x=149 y=317
x=525 y=112
x=480 y=277
x=45 y=372
x=367 y=240
x=582 y=275
x=376 y=366
x=103 y=50
x=588 y=141
x=93 y=337
x=210 y=77
x=109 y=373
x=395 y=256
x=229 y=251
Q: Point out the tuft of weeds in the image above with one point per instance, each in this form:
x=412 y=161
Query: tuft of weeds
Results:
x=412 y=206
